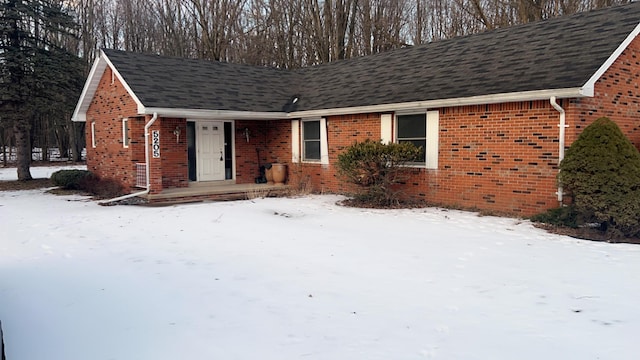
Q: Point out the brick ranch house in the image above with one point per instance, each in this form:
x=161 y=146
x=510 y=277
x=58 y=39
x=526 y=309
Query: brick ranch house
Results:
x=493 y=111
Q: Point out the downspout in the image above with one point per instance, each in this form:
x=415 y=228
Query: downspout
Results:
x=562 y=126
x=146 y=163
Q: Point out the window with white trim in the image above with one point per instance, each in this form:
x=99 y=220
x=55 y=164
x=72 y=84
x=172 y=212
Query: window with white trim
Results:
x=93 y=134
x=125 y=132
x=413 y=129
x=311 y=140
x=420 y=129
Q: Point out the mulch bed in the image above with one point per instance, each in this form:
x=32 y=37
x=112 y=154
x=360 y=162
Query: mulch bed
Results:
x=356 y=203
x=585 y=234
x=579 y=233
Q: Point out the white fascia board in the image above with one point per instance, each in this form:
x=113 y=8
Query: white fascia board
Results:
x=431 y=104
x=214 y=114
x=89 y=89
x=589 y=86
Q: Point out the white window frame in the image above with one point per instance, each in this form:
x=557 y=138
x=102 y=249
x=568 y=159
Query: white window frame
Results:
x=125 y=133
x=431 y=137
x=324 y=146
x=93 y=134
x=386 y=128
x=295 y=141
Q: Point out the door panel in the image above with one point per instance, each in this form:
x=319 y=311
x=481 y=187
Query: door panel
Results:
x=210 y=140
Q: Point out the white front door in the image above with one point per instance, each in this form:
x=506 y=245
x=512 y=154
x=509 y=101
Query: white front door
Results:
x=210 y=150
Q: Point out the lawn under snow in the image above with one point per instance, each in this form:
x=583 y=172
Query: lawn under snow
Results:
x=304 y=278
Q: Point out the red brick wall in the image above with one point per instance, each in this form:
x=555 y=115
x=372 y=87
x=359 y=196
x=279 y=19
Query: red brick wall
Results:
x=173 y=153
x=500 y=157
x=247 y=162
x=270 y=140
x=109 y=159
x=617 y=96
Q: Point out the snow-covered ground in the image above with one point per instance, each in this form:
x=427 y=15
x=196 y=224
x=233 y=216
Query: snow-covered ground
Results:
x=304 y=279
x=37 y=172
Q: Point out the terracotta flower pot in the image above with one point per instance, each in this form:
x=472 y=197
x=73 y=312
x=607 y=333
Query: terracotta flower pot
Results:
x=279 y=172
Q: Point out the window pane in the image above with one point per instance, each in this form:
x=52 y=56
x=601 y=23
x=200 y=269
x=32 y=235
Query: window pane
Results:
x=312 y=150
x=125 y=132
x=412 y=126
x=311 y=130
x=420 y=144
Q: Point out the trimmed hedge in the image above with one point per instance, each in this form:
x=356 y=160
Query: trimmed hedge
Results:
x=70 y=179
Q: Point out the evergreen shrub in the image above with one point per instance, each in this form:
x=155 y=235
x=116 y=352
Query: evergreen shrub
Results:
x=601 y=170
x=69 y=179
x=377 y=168
x=562 y=216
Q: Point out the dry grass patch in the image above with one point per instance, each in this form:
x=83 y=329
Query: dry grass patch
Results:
x=25 y=185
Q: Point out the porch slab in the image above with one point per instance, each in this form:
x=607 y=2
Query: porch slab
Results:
x=216 y=192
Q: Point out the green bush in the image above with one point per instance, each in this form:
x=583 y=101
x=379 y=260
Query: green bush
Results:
x=377 y=168
x=562 y=216
x=69 y=179
x=602 y=171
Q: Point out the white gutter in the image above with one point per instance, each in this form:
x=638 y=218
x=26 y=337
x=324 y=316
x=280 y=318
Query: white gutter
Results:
x=146 y=162
x=214 y=114
x=395 y=107
x=432 y=104
x=562 y=126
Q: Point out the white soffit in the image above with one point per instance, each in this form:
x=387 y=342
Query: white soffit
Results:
x=89 y=89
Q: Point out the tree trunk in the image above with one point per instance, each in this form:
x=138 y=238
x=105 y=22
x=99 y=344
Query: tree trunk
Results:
x=76 y=131
x=23 y=149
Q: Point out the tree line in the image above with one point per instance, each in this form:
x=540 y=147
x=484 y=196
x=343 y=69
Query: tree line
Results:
x=48 y=46
x=296 y=33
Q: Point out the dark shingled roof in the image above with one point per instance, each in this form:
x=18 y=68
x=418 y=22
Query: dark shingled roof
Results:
x=170 y=82
x=553 y=54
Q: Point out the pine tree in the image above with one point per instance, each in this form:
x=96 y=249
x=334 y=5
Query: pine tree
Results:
x=37 y=75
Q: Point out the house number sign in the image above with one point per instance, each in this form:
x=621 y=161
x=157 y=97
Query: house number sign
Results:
x=155 y=143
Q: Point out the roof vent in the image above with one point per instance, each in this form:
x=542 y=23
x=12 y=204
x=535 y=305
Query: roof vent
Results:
x=291 y=105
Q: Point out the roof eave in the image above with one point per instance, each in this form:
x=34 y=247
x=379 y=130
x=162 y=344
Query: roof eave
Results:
x=395 y=107
x=89 y=90
x=440 y=103
x=213 y=114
